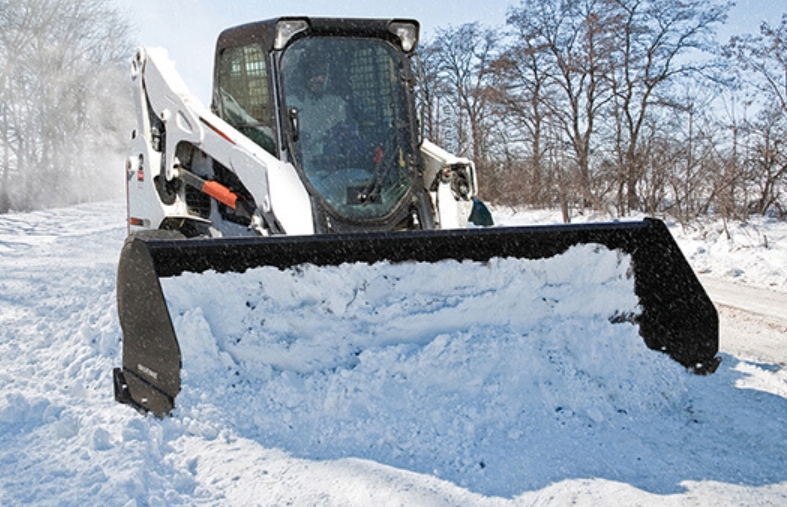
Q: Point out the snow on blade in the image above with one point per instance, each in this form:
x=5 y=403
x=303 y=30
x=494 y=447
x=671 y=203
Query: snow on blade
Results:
x=425 y=366
x=318 y=318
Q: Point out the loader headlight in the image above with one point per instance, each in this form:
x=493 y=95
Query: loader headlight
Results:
x=286 y=29
x=407 y=31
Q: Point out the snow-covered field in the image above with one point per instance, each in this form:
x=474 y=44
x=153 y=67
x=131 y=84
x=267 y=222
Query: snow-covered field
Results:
x=371 y=388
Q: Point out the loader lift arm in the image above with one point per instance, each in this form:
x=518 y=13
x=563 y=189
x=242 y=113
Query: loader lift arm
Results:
x=172 y=121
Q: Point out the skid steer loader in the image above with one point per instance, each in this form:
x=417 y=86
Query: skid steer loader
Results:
x=311 y=154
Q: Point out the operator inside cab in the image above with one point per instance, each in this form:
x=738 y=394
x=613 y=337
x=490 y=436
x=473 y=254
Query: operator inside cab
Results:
x=345 y=98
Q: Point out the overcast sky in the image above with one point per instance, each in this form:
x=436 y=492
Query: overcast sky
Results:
x=188 y=28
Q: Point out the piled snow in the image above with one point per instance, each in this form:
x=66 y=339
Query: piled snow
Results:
x=365 y=385
x=427 y=367
x=309 y=319
x=752 y=253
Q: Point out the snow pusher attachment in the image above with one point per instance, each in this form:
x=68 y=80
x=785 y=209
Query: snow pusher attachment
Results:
x=311 y=153
x=677 y=317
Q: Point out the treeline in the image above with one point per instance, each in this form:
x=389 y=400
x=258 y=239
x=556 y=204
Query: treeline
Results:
x=65 y=103
x=612 y=105
x=615 y=105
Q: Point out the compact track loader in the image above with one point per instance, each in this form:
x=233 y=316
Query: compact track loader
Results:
x=311 y=154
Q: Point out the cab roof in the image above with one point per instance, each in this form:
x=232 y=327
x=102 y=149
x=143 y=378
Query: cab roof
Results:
x=264 y=32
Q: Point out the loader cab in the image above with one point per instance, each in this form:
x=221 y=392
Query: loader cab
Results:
x=335 y=98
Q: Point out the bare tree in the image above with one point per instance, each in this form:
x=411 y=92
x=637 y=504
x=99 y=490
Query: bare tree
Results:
x=766 y=163
x=654 y=40
x=766 y=56
x=761 y=62
x=432 y=95
x=524 y=78
x=463 y=57
x=62 y=106
x=576 y=37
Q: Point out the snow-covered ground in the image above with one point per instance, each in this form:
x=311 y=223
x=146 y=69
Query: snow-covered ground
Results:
x=373 y=388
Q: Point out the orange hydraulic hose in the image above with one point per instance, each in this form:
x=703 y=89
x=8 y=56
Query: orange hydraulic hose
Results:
x=221 y=193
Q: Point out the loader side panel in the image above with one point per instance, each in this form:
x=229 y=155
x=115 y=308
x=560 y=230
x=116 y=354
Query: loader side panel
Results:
x=150 y=377
x=678 y=317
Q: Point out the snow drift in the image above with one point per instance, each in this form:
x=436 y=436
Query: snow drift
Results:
x=508 y=413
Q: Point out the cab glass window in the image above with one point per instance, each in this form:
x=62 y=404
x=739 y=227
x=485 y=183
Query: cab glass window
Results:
x=244 y=97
